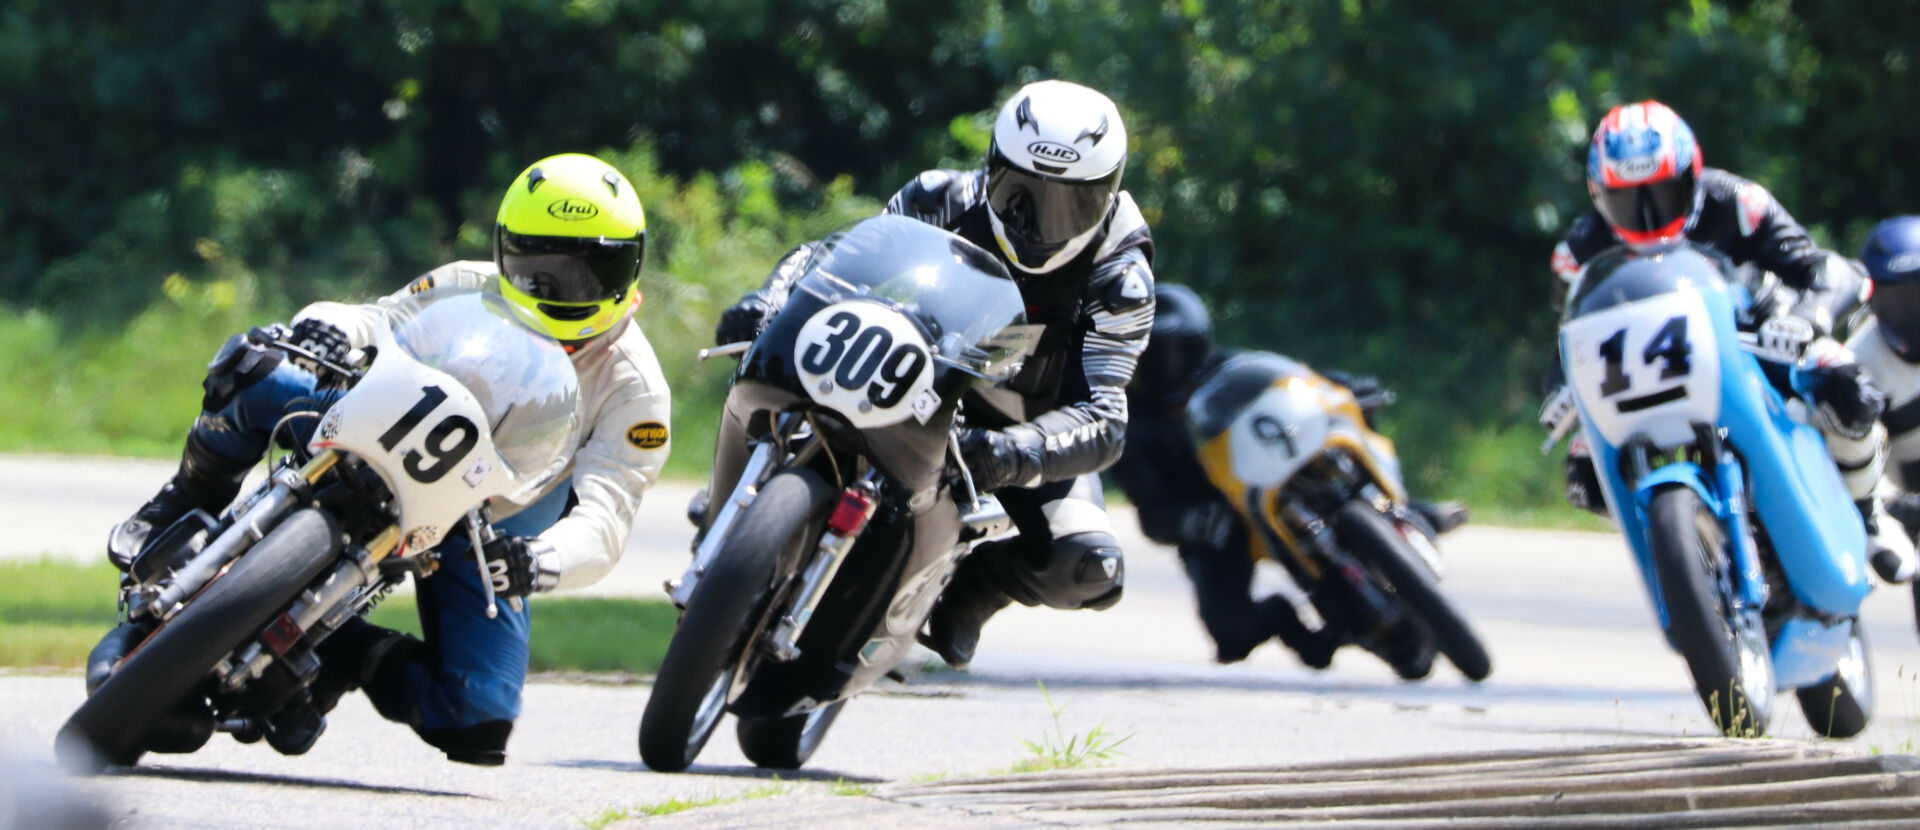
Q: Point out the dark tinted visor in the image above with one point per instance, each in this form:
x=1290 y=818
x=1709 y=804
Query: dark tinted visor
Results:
x=1648 y=207
x=569 y=269
x=1897 y=307
x=1044 y=211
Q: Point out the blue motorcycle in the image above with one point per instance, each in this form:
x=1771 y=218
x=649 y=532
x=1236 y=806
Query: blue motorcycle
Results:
x=1748 y=541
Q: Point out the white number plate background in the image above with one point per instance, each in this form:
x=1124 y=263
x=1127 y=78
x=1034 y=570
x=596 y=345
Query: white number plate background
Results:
x=867 y=362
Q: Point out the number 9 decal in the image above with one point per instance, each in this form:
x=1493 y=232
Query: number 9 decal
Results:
x=864 y=360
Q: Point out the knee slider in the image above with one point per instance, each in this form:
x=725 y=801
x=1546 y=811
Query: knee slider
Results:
x=1085 y=571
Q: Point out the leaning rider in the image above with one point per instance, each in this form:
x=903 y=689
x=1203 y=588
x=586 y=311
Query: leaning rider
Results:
x=1651 y=190
x=576 y=273
x=1048 y=204
x=1178 y=504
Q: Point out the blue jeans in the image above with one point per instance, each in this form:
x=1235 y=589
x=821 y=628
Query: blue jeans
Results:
x=472 y=668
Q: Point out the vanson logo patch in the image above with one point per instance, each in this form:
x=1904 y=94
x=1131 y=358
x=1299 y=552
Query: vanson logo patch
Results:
x=573 y=209
x=648 y=435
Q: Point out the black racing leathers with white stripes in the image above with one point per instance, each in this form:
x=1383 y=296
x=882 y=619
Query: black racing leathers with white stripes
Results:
x=1067 y=409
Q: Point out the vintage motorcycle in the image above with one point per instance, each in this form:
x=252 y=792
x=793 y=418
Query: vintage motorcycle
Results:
x=1746 y=537
x=845 y=505
x=1323 y=495
x=461 y=406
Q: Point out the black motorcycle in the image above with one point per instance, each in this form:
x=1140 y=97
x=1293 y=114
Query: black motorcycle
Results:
x=845 y=505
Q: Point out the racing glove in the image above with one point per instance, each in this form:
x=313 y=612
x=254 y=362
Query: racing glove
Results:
x=1845 y=401
x=1000 y=458
x=323 y=339
x=521 y=565
x=743 y=320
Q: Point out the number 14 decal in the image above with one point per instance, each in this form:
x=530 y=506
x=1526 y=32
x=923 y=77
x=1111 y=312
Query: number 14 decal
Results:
x=1669 y=344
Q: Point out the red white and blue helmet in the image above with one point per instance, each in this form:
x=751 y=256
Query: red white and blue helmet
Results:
x=1643 y=171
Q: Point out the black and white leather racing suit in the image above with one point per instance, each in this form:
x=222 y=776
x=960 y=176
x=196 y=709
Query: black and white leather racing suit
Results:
x=1064 y=415
x=1785 y=273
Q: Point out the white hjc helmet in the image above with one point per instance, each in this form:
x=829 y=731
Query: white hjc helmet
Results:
x=1055 y=162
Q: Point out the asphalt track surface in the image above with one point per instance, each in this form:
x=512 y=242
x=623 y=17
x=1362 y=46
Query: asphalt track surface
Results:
x=1578 y=662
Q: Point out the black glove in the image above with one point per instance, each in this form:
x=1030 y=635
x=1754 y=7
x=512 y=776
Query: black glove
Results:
x=743 y=320
x=1206 y=525
x=1846 y=402
x=325 y=340
x=997 y=458
x=242 y=361
x=516 y=568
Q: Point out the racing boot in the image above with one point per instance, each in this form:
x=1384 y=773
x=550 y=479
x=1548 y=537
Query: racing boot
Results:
x=205 y=481
x=1891 y=549
x=293 y=729
x=1409 y=651
x=1315 y=647
x=1442 y=516
x=953 y=629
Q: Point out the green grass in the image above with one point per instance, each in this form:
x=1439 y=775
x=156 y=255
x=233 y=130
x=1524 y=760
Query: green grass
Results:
x=53 y=611
x=1062 y=750
x=602 y=819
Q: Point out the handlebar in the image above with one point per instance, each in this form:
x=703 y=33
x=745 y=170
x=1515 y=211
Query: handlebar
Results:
x=343 y=371
x=723 y=351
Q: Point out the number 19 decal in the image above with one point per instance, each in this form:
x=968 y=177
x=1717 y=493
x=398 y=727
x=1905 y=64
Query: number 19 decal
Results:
x=447 y=443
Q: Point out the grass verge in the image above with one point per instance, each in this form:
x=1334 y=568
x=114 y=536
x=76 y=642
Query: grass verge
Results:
x=680 y=805
x=53 y=611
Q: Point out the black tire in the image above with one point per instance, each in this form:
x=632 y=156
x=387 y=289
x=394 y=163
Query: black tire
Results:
x=721 y=615
x=1841 y=705
x=175 y=658
x=1367 y=533
x=1689 y=559
x=786 y=743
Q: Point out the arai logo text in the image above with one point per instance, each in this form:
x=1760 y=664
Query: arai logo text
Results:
x=572 y=210
x=1052 y=151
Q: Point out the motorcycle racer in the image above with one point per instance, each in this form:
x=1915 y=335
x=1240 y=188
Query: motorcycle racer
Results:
x=1651 y=189
x=1179 y=505
x=568 y=249
x=1048 y=203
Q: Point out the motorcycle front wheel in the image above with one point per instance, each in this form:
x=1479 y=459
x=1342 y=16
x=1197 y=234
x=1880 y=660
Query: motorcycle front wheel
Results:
x=786 y=743
x=1732 y=673
x=1367 y=533
x=176 y=657
x=690 y=691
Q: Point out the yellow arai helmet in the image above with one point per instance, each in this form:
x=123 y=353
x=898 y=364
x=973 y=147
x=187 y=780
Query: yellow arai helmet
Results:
x=569 y=242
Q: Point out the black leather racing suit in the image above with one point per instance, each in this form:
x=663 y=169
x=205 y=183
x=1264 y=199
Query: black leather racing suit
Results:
x=1066 y=411
x=1784 y=269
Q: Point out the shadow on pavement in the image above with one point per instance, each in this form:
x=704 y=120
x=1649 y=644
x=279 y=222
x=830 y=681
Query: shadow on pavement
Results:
x=827 y=776
x=228 y=777
x=1448 y=690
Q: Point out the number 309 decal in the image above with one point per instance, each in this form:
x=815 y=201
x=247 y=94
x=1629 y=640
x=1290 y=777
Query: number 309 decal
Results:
x=865 y=360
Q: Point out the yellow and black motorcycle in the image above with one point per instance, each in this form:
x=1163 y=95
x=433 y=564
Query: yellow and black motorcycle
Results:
x=1322 y=494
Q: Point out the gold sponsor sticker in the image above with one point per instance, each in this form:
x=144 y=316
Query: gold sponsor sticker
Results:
x=648 y=435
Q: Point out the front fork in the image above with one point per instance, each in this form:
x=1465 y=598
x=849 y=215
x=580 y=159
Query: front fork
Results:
x=1720 y=470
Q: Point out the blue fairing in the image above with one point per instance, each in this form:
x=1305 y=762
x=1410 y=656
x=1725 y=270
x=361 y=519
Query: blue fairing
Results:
x=1799 y=500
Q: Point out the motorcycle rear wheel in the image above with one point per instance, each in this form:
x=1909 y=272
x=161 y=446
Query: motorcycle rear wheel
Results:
x=179 y=655
x=786 y=743
x=1734 y=681
x=690 y=691
x=1367 y=533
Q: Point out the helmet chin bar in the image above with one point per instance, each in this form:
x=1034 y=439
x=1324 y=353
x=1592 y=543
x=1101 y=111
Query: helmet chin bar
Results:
x=1067 y=252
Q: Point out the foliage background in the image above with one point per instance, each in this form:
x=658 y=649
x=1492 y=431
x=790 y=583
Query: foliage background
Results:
x=1368 y=184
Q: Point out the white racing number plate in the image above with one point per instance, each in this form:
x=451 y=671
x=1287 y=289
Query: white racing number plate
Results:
x=865 y=361
x=1650 y=367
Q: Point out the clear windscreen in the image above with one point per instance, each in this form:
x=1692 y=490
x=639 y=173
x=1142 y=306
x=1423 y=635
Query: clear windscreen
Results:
x=523 y=380
x=963 y=296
